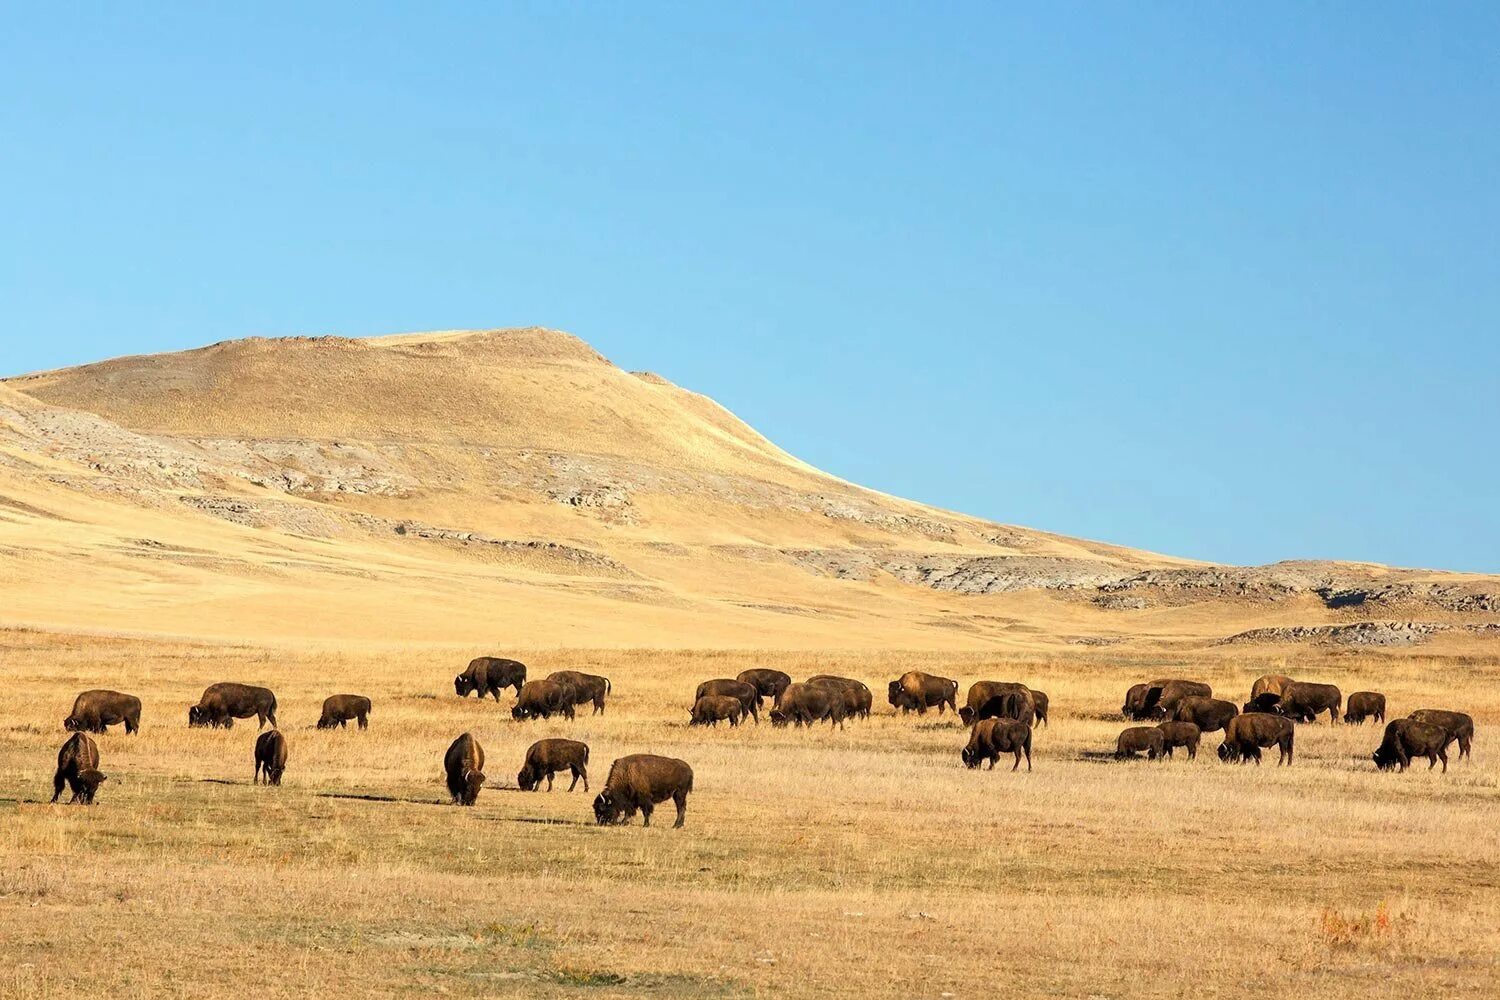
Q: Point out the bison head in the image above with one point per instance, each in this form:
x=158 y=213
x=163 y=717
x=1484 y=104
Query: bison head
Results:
x=526 y=779
x=519 y=712
x=1385 y=758
x=779 y=718
x=970 y=756
x=73 y=724
x=606 y=809
x=195 y=716
x=90 y=779
x=462 y=686
x=893 y=693
x=967 y=715
x=1228 y=752
x=473 y=781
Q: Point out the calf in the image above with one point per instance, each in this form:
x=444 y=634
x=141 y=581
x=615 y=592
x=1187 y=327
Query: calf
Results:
x=270 y=757
x=547 y=757
x=640 y=781
x=1137 y=738
x=338 y=709
x=1181 y=734
x=747 y=694
x=713 y=708
x=1040 y=702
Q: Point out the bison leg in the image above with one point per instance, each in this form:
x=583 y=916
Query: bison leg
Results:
x=646 y=809
x=681 y=800
x=549 y=780
x=364 y=722
x=577 y=773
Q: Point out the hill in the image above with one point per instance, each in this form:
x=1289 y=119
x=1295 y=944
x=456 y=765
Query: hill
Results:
x=514 y=486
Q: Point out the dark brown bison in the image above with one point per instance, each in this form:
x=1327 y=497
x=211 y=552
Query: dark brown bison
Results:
x=711 y=709
x=640 y=781
x=806 y=704
x=1301 y=701
x=1181 y=734
x=542 y=700
x=1364 y=705
x=747 y=694
x=991 y=737
x=1269 y=684
x=1459 y=726
x=95 y=711
x=487 y=675
x=585 y=687
x=1156 y=699
x=1208 y=714
x=463 y=765
x=547 y=757
x=222 y=703
x=857 y=697
x=1040 y=702
x=916 y=691
x=270 y=757
x=770 y=683
x=984 y=701
x=1263 y=702
x=1247 y=733
x=78 y=767
x=338 y=709
x=1408 y=738
x=1135 y=701
x=1137 y=738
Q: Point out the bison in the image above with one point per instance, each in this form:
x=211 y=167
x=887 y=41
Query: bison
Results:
x=547 y=757
x=1408 y=738
x=769 y=683
x=1269 y=684
x=747 y=694
x=270 y=757
x=1019 y=705
x=95 y=711
x=1263 y=702
x=1301 y=701
x=338 y=709
x=982 y=702
x=1208 y=714
x=1460 y=726
x=1040 y=703
x=78 y=767
x=542 y=700
x=463 y=765
x=806 y=704
x=1157 y=699
x=487 y=675
x=1181 y=734
x=917 y=691
x=640 y=781
x=222 y=703
x=857 y=697
x=1247 y=733
x=991 y=737
x=712 y=708
x=1364 y=705
x=585 y=687
x=1137 y=738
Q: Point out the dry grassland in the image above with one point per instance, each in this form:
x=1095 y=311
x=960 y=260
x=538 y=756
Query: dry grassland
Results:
x=859 y=863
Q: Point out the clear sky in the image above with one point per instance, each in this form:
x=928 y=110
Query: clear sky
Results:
x=1216 y=280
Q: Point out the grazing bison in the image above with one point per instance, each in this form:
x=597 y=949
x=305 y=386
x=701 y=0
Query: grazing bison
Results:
x=542 y=700
x=1460 y=726
x=1156 y=699
x=1269 y=684
x=1137 y=738
x=78 y=767
x=770 y=683
x=1181 y=734
x=1408 y=738
x=222 y=703
x=463 y=765
x=1301 y=701
x=640 y=781
x=857 y=697
x=1018 y=705
x=487 y=675
x=984 y=697
x=1263 y=702
x=1246 y=734
x=712 y=708
x=338 y=709
x=270 y=756
x=806 y=704
x=547 y=757
x=1040 y=703
x=991 y=737
x=1208 y=714
x=917 y=691
x=95 y=711
x=585 y=687
x=1364 y=705
x=747 y=694
x=1135 y=701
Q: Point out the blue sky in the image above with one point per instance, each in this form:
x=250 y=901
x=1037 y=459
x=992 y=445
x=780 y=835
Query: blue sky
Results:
x=1218 y=281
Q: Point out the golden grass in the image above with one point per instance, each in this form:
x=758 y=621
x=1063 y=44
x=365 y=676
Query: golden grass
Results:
x=861 y=863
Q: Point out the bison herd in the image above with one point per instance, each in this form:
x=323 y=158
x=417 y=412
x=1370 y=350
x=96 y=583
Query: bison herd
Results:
x=1000 y=717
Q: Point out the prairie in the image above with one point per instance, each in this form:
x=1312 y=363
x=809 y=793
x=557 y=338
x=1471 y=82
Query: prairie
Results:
x=817 y=863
